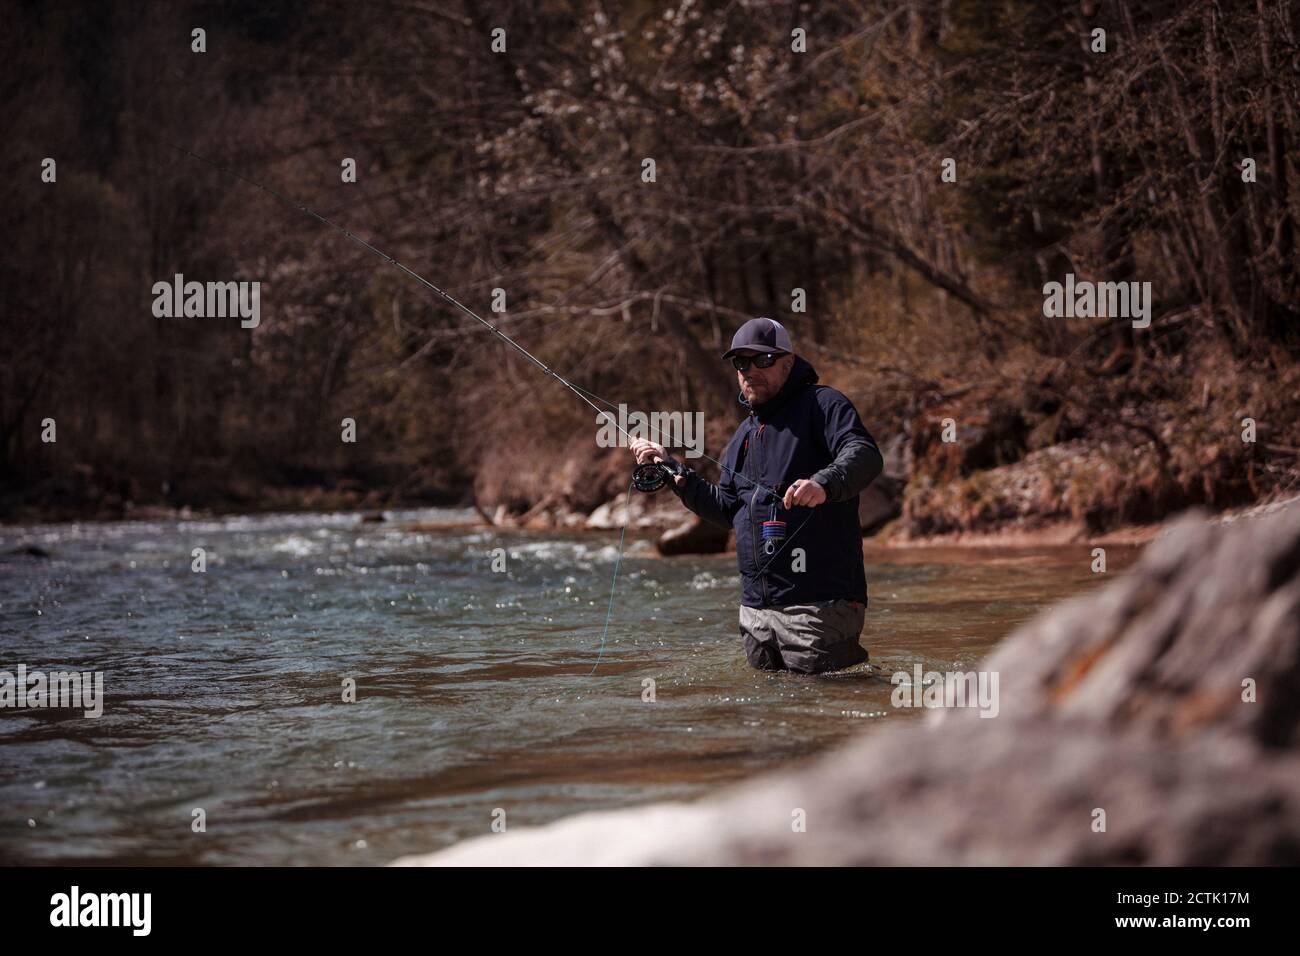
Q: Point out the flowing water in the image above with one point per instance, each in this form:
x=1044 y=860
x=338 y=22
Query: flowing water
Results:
x=475 y=691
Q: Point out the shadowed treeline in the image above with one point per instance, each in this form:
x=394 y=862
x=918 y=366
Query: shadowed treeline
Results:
x=774 y=171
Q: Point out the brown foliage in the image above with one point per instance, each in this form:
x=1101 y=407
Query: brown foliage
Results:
x=522 y=171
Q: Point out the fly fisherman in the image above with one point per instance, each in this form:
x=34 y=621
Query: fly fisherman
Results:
x=804 y=442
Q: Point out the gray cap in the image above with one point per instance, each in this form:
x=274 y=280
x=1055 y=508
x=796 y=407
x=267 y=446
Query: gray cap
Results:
x=760 y=335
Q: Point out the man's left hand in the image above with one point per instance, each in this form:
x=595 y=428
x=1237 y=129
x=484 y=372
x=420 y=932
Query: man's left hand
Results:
x=804 y=493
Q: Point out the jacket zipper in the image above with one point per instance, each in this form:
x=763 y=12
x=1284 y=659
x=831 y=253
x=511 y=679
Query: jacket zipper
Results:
x=753 y=510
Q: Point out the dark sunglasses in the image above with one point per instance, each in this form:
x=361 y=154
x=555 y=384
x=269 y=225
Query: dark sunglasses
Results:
x=762 y=360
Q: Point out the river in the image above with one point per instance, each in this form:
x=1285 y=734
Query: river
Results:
x=475 y=693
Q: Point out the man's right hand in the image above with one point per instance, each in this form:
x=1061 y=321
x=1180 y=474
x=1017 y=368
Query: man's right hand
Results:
x=647 y=451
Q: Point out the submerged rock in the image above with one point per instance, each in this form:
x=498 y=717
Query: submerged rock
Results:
x=29 y=551
x=1155 y=721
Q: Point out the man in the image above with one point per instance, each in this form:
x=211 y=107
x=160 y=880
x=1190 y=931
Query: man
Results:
x=800 y=457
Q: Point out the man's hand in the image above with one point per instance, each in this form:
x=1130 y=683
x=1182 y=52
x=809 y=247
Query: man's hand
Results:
x=646 y=451
x=804 y=493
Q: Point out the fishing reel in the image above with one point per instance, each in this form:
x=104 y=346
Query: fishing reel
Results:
x=653 y=475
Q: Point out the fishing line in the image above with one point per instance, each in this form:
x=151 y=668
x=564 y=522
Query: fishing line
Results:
x=666 y=469
x=618 y=559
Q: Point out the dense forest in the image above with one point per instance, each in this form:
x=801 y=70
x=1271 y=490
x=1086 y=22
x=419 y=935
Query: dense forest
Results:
x=895 y=180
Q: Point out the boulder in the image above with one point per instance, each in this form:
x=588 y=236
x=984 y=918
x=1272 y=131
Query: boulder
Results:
x=879 y=504
x=1168 y=700
x=637 y=510
x=882 y=501
x=693 y=536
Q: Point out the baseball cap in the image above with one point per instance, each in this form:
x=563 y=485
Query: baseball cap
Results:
x=760 y=335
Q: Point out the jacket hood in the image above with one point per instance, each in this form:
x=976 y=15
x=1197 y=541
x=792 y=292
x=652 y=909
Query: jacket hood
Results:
x=801 y=376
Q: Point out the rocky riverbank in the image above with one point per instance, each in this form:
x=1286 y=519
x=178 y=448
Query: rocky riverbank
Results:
x=939 y=493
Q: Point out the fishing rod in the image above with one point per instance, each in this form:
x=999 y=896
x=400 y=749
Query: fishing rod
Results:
x=410 y=272
x=647 y=477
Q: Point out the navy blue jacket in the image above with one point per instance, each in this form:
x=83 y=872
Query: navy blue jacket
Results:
x=796 y=434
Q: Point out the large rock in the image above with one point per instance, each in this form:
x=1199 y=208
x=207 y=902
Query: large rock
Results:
x=693 y=536
x=637 y=510
x=1129 y=700
x=879 y=504
x=882 y=501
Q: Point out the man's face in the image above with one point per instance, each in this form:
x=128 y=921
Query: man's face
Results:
x=759 y=385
